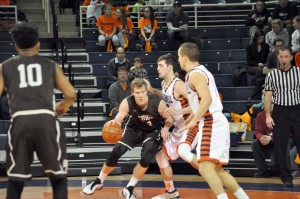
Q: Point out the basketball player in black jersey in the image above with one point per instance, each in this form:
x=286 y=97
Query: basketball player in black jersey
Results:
x=30 y=81
x=146 y=114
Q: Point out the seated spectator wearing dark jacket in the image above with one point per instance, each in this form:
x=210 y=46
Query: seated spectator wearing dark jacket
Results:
x=257 y=19
x=272 y=61
x=257 y=53
x=115 y=63
x=285 y=11
x=177 y=22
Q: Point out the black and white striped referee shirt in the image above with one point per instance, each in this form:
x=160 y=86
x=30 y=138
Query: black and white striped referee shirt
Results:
x=285 y=86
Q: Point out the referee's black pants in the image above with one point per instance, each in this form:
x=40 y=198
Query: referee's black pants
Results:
x=287 y=120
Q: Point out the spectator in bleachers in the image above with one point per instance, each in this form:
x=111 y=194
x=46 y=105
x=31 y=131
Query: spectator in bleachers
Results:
x=257 y=19
x=296 y=35
x=118 y=91
x=277 y=32
x=136 y=5
x=147 y=25
x=87 y=2
x=136 y=8
x=119 y=4
x=272 y=60
x=107 y=27
x=94 y=10
x=177 y=22
x=115 y=63
x=285 y=11
x=5 y=2
x=161 y=2
x=257 y=53
x=263 y=145
x=125 y=28
x=137 y=70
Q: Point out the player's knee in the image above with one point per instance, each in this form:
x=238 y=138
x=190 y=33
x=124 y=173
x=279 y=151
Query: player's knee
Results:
x=115 y=155
x=149 y=151
x=162 y=159
x=184 y=151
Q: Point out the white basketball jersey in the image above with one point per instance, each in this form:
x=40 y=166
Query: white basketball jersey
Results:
x=168 y=97
x=195 y=100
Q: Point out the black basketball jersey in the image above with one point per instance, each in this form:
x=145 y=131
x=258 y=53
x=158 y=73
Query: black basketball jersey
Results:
x=30 y=83
x=147 y=120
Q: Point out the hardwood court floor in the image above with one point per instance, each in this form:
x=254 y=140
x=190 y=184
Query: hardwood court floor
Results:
x=189 y=186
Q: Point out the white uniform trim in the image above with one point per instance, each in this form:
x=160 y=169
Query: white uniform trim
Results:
x=13 y=160
x=33 y=112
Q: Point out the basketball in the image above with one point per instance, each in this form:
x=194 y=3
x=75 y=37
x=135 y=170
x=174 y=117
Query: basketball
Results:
x=112 y=133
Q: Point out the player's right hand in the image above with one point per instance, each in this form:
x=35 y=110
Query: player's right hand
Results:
x=109 y=122
x=60 y=109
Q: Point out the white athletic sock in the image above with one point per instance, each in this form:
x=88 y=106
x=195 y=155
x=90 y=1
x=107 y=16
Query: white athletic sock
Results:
x=133 y=181
x=169 y=185
x=241 y=194
x=102 y=176
x=222 y=196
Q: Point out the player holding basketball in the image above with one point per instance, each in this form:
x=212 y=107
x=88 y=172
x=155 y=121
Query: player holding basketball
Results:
x=214 y=136
x=144 y=126
x=175 y=95
x=30 y=81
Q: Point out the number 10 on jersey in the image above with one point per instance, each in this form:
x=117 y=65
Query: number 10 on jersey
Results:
x=31 y=77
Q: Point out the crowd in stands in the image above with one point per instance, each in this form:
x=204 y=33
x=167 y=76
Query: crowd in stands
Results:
x=116 y=28
x=262 y=53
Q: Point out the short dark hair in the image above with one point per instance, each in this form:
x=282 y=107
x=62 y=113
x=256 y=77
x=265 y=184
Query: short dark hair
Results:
x=122 y=68
x=191 y=50
x=170 y=59
x=25 y=35
x=139 y=59
x=277 y=40
x=286 y=48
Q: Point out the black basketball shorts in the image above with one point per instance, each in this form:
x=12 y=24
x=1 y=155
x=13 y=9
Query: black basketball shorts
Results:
x=41 y=133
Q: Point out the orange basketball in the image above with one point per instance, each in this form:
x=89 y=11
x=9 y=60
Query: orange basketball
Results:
x=112 y=133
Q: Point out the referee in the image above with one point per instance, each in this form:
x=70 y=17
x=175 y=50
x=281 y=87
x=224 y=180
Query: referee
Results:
x=283 y=88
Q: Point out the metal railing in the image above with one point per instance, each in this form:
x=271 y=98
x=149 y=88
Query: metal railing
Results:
x=55 y=30
x=80 y=116
x=46 y=7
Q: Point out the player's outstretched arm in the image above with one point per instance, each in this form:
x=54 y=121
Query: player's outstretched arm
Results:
x=66 y=88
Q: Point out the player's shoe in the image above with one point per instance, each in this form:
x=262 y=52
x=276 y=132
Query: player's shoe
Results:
x=92 y=187
x=171 y=195
x=128 y=192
